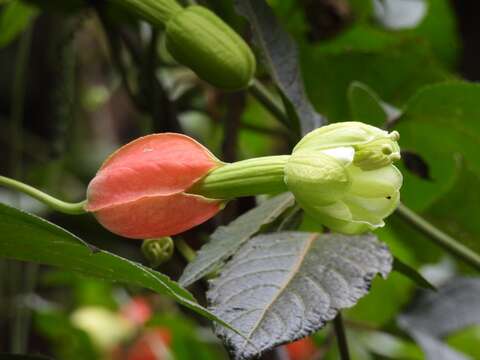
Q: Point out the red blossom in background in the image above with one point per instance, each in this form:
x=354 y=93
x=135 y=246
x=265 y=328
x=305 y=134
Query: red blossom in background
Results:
x=138 y=311
x=153 y=344
x=303 y=349
x=139 y=192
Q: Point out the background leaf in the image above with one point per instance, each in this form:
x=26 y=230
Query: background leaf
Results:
x=226 y=240
x=280 y=54
x=16 y=16
x=440 y=124
x=437 y=314
x=281 y=287
x=366 y=106
x=29 y=238
x=336 y=67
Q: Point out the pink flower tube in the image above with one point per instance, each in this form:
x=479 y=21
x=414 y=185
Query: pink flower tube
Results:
x=140 y=190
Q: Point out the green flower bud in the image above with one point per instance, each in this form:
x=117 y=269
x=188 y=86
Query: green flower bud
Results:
x=156 y=12
x=199 y=39
x=158 y=251
x=342 y=175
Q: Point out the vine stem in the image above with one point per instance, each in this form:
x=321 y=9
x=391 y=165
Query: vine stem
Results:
x=19 y=329
x=187 y=252
x=264 y=96
x=52 y=202
x=439 y=237
x=341 y=337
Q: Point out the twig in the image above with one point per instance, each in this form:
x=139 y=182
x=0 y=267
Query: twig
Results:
x=264 y=96
x=19 y=330
x=341 y=337
x=112 y=36
x=52 y=202
x=439 y=237
x=187 y=252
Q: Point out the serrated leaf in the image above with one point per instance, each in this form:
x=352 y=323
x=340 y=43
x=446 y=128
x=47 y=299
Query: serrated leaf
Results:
x=434 y=315
x=226 y=240
x=281 y=287
x=27 y=237
x=280 y=54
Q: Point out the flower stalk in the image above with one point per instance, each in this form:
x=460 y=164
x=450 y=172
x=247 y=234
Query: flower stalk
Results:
x=263 y=175
x=52 y=202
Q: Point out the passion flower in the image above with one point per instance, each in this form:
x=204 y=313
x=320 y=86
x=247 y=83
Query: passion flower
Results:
x=342 y=175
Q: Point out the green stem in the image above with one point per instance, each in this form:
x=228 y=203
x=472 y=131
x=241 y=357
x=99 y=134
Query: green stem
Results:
x=54 y=203
x=264 y=175
x=187 y=252
x=341 y=337
x=439 y=237
x=265 y=97
x=19 y=332
x=157 y=12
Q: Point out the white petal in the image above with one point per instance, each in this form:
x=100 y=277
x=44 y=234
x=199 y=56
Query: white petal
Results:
x=372 y=210
x=344 y=154
x=382 y=182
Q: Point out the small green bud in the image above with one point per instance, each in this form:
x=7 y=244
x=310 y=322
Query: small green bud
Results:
x=200 y=40
x=156 y=12
x=158 y=251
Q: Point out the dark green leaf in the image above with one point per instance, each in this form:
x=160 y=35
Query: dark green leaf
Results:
x=281 y=287
x=367 y=107
x=412 y=274
x=280 y=54
x=14 y=19
x=440 y=125
x=226 y=240
x=395 y=71
x=26 y=237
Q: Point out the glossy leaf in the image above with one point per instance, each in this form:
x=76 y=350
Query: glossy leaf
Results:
x=226 y=240
x=26 y=237
x=281 y=287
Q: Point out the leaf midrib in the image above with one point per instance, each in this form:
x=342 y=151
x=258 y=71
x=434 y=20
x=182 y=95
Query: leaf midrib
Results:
x=284 y=286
